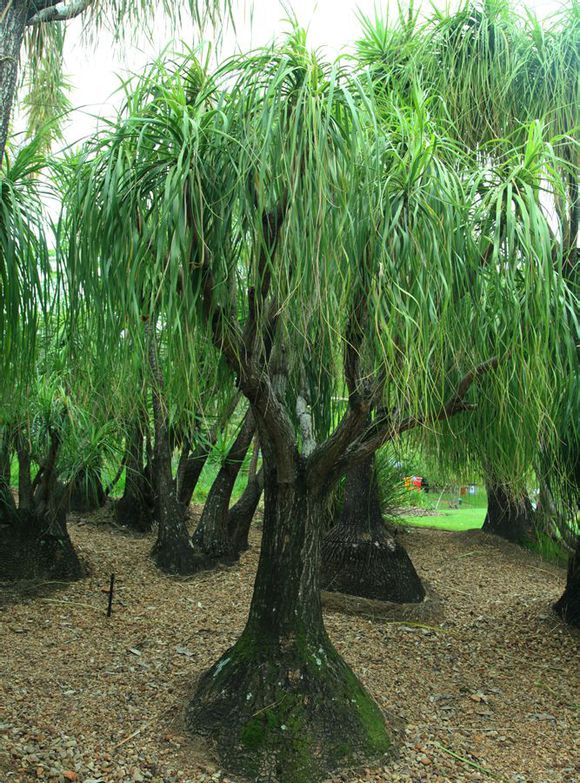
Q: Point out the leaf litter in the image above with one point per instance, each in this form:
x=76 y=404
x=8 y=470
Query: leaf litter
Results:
x=486 y=690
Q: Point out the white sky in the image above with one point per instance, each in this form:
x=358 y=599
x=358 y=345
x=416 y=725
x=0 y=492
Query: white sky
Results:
x=332 y=25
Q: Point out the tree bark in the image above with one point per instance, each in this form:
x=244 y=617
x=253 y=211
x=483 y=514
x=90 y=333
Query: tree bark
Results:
x=568 y=606
x=36 y=543
x=7 y=503
x=508 y=517
x=281 y=704
x=212 y=537
x=13 y=17
x=241 y=514
x=359 y=555
x=191 y=462
x=135 y=508
x=173 y=551
x=25 y=493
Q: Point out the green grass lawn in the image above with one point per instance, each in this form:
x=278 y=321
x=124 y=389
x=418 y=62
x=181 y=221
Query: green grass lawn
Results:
x=471 y=518
x=451 y=519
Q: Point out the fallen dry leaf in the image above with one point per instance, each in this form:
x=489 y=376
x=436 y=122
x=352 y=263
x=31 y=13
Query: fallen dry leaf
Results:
x=121 y=719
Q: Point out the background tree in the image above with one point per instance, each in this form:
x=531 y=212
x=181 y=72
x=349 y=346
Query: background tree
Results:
x=501 y=75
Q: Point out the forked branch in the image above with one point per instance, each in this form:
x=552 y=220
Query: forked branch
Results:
x=388 y=427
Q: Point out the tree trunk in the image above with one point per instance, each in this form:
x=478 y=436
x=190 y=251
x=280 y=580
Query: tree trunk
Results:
x=240 y=515
x=36 y=544
x=7 y=504
x=86 y=491
x=173 y=551
x=281 y=704
x=508 y=517
x=191 y=464
x=25 y=493
x=359 y=555
x=135 y=508
x=13 y=16
x=212 y=537
x=568 y=606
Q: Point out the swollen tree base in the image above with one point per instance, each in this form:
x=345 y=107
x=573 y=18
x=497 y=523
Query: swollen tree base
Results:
x=568 y=606
x=177 y=557
x=36 y=546
x=373 y=566
x=360 y=557
x=286 y=711
x=135 y=512
x=508 y=517
x=173 y=552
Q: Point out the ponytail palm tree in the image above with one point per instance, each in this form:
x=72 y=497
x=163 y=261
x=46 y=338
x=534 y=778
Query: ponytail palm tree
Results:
x=24 y=259
x=502 y=81
x=315 y=247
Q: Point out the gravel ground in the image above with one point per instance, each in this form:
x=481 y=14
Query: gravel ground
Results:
x=489 y=691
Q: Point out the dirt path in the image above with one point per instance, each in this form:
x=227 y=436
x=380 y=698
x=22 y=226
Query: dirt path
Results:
x=494 y=682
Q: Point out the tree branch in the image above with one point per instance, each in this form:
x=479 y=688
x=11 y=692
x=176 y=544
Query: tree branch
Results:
x=271 y=227
x=387 y=428
x=353 y=342
x=253 y=378
x=57 y=11
x=328 y=454
x=360 y=398
x=304 y=416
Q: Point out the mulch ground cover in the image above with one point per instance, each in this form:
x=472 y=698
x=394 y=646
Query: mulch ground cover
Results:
x=485 y=689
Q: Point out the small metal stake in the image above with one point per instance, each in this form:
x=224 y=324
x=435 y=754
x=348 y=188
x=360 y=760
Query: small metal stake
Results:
x=111 y=586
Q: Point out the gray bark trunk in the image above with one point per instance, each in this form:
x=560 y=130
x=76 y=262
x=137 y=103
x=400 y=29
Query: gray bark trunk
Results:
x=509 y=517
x=191 y=462
x=36 y=544
x=7 y=505
x=173 y=551
x=281 y=704
x=134 y=508
x=240 y=515
x=568 y=606
x=25 y=494
x=13 y=16
x=359 y=555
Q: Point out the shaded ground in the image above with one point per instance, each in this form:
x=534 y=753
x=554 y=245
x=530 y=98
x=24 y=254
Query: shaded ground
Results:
x=493 y=681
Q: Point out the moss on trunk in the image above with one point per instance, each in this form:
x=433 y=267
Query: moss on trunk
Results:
x=281 y=704
x=287 y=710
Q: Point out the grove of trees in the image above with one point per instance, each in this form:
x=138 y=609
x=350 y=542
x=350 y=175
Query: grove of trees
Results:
x=302 y=262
